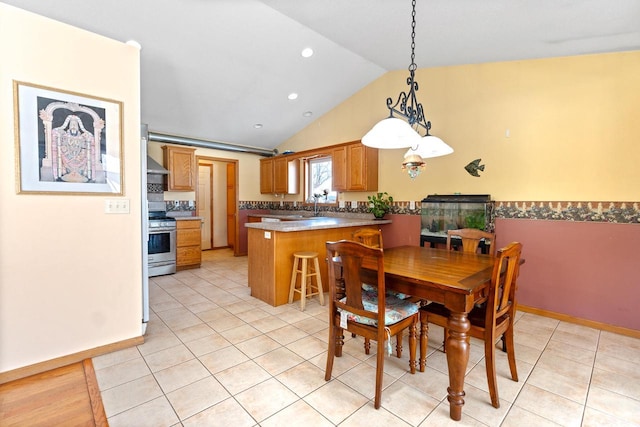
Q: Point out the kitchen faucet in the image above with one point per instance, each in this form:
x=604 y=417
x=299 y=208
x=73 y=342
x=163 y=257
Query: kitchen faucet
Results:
x=316 y=196
x=314 y=199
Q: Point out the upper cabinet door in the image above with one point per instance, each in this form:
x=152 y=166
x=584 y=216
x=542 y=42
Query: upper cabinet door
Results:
x=357 y=173
x=181 y=163
x=266 y=176
x=339 y=168
x=355 y=168
x=285 y=175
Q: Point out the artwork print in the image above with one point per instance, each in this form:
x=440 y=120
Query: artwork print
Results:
x=67 y=142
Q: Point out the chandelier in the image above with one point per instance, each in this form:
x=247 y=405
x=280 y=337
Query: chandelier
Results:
x=405 y=122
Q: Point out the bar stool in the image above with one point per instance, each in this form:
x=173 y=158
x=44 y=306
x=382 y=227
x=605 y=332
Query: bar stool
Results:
x=305 y=271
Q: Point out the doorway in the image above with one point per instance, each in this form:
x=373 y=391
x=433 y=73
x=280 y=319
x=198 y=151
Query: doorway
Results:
x=216 y=202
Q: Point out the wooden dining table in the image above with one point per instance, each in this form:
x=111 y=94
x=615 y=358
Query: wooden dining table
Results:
x=456 y=279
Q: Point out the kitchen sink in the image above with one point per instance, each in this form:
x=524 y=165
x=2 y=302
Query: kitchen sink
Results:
x=300 y=217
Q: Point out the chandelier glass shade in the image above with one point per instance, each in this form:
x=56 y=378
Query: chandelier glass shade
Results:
x=393 y=131
x=430 y=146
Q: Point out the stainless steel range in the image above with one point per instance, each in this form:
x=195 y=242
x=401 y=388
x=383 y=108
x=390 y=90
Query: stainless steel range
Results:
x=162 y=244
x=162 y=229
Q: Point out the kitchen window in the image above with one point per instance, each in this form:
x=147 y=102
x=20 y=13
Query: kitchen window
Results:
x=318 y=180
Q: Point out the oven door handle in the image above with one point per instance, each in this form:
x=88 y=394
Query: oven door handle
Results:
x=159 y=230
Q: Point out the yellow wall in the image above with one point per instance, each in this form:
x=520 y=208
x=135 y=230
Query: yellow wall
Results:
x=573 y=124
x=70 y=275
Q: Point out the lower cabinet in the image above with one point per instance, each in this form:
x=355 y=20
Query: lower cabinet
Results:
x=188 y=249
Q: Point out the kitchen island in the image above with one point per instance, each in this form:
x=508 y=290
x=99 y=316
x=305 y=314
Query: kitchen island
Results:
x=271 y=246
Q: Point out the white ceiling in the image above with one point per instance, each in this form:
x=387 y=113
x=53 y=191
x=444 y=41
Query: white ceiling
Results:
x=211 y=69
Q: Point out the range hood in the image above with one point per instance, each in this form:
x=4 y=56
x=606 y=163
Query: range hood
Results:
x=155 y=167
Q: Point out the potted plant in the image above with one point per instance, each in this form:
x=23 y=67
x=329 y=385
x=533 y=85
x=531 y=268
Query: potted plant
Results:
x=380 y=204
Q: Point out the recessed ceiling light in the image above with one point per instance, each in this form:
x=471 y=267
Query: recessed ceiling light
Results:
x=258 y=126
x=306 y=52
x=293 y=96
x=307 y=114
x=134 y=44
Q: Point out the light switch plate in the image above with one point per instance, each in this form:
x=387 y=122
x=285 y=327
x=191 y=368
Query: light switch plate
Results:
x=116 y=206
x=412 y=205
x=341 y=204
x=354 y=204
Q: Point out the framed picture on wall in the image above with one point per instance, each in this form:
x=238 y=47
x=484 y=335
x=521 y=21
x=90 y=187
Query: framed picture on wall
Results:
x=67 y=142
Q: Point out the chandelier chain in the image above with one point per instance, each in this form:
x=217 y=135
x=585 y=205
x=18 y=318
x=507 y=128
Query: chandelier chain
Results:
x=413 y=66
x=407 y=104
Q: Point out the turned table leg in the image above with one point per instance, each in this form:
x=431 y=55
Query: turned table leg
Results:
x=457 y=360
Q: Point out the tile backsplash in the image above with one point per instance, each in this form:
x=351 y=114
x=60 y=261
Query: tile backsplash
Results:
x=176 y=206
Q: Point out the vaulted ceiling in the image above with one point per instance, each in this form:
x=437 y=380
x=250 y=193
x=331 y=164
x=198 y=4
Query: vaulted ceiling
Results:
x=214 y=69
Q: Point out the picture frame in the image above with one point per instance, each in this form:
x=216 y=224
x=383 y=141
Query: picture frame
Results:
x=67 y=142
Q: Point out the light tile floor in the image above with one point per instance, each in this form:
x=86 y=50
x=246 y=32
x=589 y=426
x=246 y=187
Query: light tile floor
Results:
x=215 y=356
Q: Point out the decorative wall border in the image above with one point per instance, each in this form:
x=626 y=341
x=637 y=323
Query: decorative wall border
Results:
x=610 y=212
x=613 y=212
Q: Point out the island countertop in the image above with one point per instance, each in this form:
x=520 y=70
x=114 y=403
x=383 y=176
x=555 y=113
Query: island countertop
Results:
x=315 y=223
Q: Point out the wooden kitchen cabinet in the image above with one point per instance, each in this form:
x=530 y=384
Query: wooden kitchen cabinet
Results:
x=188 y=244
x=181 y=163
x=279 y=175
x=354 y=167
x=266 y=176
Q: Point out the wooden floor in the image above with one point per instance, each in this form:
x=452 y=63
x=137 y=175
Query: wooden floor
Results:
x=66 y=396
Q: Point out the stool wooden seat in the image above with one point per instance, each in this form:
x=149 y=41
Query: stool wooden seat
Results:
x=306 y=271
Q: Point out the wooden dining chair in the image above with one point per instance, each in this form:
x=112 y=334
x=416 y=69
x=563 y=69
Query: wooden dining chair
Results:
x=490 y=321
x=375 y=316
x=373 y=238
x=368 y=236
x=471 y=238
